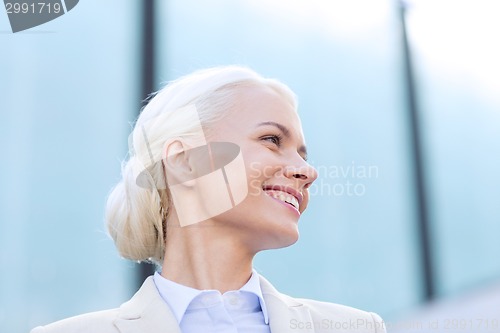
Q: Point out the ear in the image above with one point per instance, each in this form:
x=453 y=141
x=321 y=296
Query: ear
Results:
x=176 y=162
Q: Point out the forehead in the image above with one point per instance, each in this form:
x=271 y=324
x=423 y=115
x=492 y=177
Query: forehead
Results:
x=256 y=104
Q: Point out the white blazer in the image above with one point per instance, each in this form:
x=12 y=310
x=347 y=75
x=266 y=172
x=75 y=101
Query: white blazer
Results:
x=147 y=312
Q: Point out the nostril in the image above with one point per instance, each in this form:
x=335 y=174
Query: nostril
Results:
x=306 y=186
x=300 y=176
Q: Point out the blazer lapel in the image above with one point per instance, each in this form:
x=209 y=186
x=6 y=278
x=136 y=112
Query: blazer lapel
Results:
x=286 y=314
x=146 y=312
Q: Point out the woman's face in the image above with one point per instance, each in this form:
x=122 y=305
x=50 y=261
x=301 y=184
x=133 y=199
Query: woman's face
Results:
x=269 y=133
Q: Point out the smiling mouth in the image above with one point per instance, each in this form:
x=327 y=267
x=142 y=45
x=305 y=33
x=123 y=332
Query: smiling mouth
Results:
x=283 y=196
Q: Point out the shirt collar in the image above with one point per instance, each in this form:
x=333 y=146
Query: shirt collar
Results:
x=178 y=296
x=253 y=286
x=175 y=295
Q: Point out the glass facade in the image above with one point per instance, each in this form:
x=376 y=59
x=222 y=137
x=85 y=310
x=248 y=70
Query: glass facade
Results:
x=69 y=88
x=358 y=240
x=68 y=91
x=459 y=88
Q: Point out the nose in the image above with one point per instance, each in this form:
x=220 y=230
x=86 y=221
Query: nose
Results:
x=302 y=171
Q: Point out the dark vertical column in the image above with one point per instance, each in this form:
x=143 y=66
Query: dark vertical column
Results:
x=147 y=48
x=147 y=57
x=418 y=163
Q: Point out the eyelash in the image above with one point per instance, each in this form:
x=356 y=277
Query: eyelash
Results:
x=275 y=139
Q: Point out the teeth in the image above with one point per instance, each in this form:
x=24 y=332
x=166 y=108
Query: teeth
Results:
x=293 y=200
x=285 y=197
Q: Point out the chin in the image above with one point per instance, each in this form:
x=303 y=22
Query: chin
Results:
x=260 y=229
x=291 y=239
x=280 y=237
x=286 y=243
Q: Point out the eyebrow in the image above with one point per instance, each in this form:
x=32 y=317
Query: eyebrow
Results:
x=286 y=133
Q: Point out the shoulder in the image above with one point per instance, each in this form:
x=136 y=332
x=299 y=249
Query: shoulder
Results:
x=337 y=316
x=146 y=309
x=320 y=307
x=301 y=314
x=101 y=321
x=343 y=314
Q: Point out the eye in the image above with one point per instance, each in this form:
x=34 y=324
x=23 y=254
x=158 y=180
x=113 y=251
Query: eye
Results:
x=274 y=139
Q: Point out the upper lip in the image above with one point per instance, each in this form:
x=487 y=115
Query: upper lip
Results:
x=287 y=189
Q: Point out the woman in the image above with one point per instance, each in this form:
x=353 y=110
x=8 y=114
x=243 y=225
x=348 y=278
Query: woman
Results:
x=217 y=172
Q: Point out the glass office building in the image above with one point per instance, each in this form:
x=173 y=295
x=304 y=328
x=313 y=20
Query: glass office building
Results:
x=404 y=218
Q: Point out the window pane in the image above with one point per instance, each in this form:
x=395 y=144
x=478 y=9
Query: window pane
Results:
x=68 y=91
x=342 y=58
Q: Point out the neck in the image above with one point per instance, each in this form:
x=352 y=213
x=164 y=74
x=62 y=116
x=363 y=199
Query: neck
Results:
x=204 y=256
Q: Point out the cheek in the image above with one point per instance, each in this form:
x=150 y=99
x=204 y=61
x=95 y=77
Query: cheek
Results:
x=305 y=201
x=260 y=166
x=253 y=177
x=257 y=174
x=254 y=186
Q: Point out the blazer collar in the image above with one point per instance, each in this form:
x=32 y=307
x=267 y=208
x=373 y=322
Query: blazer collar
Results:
x=146 y=311
x=286 y=313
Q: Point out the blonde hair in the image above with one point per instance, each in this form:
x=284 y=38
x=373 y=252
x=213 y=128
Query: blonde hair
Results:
x=136 y=215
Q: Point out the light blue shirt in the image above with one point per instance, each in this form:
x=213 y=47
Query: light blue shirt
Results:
x=209 y=311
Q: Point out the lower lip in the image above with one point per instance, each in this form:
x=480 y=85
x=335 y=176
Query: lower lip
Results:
x=288 y=206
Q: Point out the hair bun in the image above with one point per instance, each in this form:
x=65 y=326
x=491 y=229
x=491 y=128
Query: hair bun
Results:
x=133 y=218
